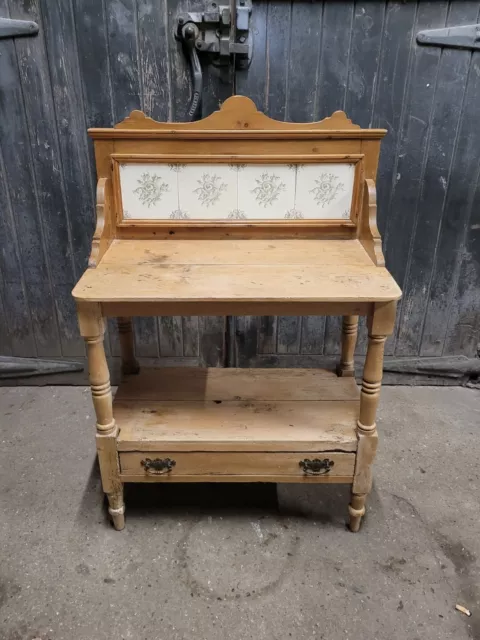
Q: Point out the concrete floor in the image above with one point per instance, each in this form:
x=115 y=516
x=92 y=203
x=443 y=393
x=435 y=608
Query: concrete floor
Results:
x=223 y=561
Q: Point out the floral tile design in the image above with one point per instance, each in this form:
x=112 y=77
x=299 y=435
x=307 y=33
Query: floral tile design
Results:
x=150 y=188
x=327 y=188
x=266 y=192
x=269 y=186
x=237 y=214
x=222 y=191
x=324 y=191
x=178 y=214
x=149 y=191
x=210 y=189
x=294 y=214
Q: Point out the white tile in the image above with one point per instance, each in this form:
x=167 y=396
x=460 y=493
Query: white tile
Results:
x=266 y=192
x=207 y=191
x=221 y=191
x=324 y=191
x=149 y=191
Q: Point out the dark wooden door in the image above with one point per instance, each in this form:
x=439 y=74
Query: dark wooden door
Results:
x=96 y=60
x=312 y=58
x=91 y=64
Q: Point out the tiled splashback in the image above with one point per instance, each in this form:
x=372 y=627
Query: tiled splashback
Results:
x=237 y=191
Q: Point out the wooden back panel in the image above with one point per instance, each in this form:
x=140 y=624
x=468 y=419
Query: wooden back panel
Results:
x=237 y=174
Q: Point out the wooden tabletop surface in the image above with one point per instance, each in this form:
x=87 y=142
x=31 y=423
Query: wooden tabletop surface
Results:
x=236 y=270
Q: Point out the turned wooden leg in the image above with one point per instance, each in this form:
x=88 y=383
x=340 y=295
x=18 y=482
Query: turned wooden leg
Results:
x=380 y=325
x=356 y=510
x=92 y=328
x=129 y=362
x=116 y=508
x=346 y=366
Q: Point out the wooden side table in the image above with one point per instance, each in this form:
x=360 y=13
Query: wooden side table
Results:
x=236 y=214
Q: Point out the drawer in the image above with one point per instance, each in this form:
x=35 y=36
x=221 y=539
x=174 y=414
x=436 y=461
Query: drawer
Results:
x=174 y=466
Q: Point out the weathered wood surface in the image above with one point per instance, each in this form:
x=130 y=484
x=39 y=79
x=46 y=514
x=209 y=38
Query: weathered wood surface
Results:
x=132 y=272
x=210 y=385
x=237 y=426
x=363 y=58
x=263 y=465
x=92 y=62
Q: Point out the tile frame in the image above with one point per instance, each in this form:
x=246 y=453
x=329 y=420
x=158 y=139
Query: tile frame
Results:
x=355 y=158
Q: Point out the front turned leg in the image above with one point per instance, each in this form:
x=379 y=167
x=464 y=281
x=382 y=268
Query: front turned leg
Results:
x=116 y=508
x=92 y=328
x=346 y=366
x=380 y=325
x=129 y=362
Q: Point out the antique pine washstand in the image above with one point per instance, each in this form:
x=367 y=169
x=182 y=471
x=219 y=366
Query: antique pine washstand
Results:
x=236 y=214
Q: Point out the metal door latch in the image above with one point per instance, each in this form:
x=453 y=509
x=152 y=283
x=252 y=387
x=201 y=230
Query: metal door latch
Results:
x=464 y=37
x=221 y=32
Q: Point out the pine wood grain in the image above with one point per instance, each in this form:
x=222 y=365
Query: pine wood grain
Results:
x=121 y=279
x=326 y=479
x=241 y=252
x=237 y=426
x=252 y=385
x=250 y=464
x=237 y=410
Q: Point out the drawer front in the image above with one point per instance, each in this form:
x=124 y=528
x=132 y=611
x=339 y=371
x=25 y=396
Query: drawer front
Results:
x=298 y=466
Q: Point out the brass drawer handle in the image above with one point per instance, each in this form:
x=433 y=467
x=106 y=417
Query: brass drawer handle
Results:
x=316 y=467
x=158 y=467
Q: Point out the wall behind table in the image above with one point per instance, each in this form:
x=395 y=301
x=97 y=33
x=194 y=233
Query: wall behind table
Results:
x=94 y=61
x=312 y=58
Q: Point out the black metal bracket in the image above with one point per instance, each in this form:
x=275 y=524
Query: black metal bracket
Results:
x=222 y=34
x=464 y=37
x=14 y=28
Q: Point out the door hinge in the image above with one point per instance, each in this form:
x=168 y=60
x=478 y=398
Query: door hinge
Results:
x=465 y=37
x=14 y=28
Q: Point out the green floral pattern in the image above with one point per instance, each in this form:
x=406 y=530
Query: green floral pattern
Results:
x=327 y=189
x=236 y=214
x=178 y=214
x=237 y=191
x=294 y=214
x=210 y=189
x=150 y=189
x=269 y=186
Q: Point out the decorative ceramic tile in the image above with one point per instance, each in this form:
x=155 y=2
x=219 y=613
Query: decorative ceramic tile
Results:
x=266 y=192
x=324 y=191
x=208 y=191
x=237 y=191
x=149 y=191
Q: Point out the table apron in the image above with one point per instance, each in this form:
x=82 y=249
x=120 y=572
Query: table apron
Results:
x=264 y=308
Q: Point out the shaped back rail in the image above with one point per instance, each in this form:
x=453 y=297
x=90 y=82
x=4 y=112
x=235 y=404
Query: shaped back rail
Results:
x=236 y=174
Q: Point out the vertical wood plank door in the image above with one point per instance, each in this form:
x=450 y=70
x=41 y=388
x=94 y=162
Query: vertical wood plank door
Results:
x=363 y=58
x=94 y=61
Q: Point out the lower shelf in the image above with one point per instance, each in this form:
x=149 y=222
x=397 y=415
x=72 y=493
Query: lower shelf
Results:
x=236 y=424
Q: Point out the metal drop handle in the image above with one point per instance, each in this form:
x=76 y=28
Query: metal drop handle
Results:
x=158 y=467
x=316 y=467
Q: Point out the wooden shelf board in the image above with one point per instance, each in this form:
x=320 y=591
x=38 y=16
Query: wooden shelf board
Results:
x=226 y=271
x=187 y=409
x=199 y=384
